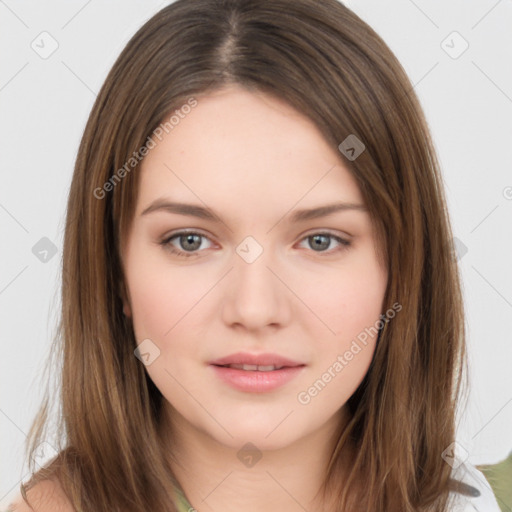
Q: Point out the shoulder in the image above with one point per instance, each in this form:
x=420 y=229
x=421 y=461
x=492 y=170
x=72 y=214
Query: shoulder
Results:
x=45 y=496
x=475 y=493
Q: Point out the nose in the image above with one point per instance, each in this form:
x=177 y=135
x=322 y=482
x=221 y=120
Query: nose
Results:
x=255 y=299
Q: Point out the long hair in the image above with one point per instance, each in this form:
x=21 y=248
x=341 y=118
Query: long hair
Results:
x=327 y=63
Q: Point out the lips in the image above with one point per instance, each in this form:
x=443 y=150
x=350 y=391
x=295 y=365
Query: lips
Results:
x=253 y=367
x=256 y=362
x=256 y=373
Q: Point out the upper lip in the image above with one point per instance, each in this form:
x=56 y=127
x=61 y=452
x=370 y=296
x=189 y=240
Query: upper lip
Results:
x=256 y=359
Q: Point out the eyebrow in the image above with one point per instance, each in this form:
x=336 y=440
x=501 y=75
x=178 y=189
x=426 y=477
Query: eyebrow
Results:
x=201 y=212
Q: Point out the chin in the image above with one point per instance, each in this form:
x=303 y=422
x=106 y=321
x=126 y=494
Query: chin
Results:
x=266 y=433
x=246 y=439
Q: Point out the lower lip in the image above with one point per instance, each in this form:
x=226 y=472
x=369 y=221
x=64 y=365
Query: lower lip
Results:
x=255 y=381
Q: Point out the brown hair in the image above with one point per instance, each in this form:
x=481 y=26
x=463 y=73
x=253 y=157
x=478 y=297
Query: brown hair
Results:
x=330 y=65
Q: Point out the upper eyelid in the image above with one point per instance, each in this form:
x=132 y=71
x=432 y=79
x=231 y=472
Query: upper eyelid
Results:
x=196 y=231
x=175 y=234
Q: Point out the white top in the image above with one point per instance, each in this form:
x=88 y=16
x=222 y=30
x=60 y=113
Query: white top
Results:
x=484 y=502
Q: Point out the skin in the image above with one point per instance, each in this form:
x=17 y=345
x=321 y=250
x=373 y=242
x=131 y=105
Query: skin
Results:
x=254 y=161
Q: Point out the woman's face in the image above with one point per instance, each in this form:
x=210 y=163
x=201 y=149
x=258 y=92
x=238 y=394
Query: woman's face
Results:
x=256 y=274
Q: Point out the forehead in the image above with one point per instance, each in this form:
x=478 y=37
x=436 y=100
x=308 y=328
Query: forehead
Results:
x=246 y=150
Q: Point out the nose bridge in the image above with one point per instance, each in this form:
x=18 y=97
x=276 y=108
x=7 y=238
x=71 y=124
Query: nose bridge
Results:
x=256 y=297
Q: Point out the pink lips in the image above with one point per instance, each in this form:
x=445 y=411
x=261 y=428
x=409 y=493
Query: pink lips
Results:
x=256 y=381
x=259 y=359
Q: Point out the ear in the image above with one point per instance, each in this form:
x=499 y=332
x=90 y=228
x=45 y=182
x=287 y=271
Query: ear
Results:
x=127 y=310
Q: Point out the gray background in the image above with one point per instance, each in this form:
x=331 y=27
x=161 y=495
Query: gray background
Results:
x=44 y=102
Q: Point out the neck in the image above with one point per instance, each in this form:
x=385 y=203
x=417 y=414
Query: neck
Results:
x=214 y=476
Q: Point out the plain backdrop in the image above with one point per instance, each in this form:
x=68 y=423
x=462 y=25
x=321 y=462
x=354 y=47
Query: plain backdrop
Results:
x=54 y=58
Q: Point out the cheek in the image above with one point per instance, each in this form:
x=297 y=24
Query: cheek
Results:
x=350 y=304
x=162 y=296
x=164 y=302
x=349 y=299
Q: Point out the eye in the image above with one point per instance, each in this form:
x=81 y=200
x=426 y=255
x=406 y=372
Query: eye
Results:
x=187 y=244
x=188 y=241
x=322 y=241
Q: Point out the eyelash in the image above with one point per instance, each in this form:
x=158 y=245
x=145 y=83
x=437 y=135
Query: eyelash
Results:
x=183 y=254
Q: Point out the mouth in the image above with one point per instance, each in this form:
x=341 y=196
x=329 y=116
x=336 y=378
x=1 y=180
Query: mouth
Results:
x=254 y=367
x=256 y=373
x=256 y=362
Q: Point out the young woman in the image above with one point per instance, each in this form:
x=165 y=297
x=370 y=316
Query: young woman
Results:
x=261 y=309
